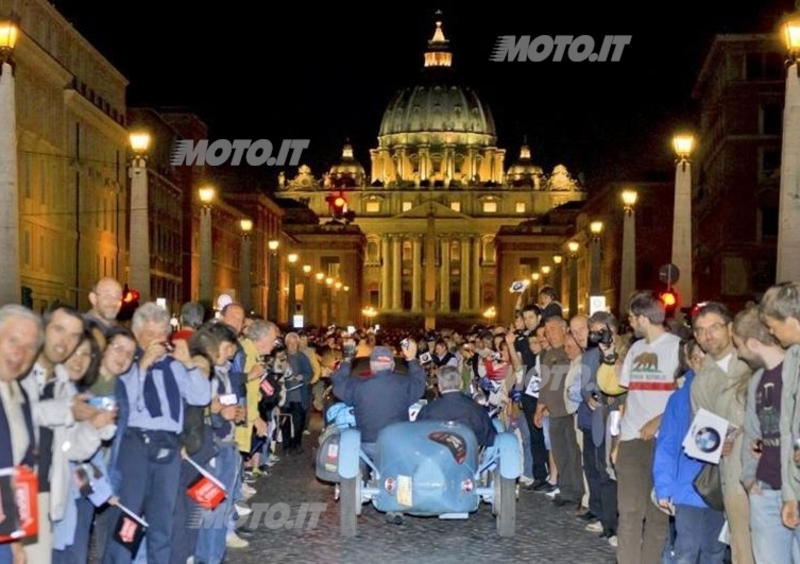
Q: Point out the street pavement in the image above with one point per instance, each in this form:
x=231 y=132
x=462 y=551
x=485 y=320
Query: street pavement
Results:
x=298 y=523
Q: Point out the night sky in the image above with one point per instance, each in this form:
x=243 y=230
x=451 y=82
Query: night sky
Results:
x=326 y=70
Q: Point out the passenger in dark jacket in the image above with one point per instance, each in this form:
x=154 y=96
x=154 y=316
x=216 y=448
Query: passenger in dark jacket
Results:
x=383 y=398
x=454 y=406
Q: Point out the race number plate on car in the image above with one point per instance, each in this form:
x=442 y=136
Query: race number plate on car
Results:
x=404 y=490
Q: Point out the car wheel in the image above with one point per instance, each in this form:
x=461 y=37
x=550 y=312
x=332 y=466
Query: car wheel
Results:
x=349 y=505
x=504 y=506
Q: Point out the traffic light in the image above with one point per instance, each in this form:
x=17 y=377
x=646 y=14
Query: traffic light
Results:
x=130 y=303
x=339 y=207
x=670 y=300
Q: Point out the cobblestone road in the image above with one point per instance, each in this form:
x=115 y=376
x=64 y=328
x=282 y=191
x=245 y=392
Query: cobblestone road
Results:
x=545 y=533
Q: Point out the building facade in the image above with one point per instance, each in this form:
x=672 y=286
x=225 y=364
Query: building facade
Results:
x=739 y=92
x=437 y=195
x=72 y=150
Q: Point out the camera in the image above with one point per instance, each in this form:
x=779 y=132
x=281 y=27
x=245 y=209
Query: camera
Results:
x=425 y=358
x=602 y=337
x=497 y=356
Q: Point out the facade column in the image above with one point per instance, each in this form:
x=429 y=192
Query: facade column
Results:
x=397 y=271
x=416 y=274
x=385 y=272
x=464 y=268
x=444 y=280
x=476 y=274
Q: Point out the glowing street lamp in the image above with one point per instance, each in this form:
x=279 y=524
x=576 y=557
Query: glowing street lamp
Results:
x=206 y=195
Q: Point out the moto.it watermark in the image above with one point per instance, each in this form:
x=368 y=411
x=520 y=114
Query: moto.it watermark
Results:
x=273 y=516
x=545 y=47
x=187 y=152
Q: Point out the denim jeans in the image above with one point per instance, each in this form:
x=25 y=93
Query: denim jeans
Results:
x=772 y=542
x=696 y=533
x=525 y=435
x=211 y=543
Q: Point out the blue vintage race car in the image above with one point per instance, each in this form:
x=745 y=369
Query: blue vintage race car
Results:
x=422 y=468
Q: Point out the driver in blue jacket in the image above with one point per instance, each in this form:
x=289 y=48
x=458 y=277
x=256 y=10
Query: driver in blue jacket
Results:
x=382 y=398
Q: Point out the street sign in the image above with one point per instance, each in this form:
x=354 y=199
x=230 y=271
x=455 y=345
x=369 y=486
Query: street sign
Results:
x=597 y=303
x=669 y=274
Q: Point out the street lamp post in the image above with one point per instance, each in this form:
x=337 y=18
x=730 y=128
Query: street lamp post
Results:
x=573 y=246
x=245 y=279
x=329 y=301
x=272 y=293
x=628 y=276
x=10 y=275
x=319 y=297
x=788 y=265
x=557 y=260
x=682 y=219
x=139 y=236
x=206 y=289
x=305 y=307
x=534 y=288
x=292 y=258
x=596 y=228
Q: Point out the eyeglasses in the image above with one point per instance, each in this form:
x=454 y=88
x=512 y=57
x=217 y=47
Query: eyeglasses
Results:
x=715 y=328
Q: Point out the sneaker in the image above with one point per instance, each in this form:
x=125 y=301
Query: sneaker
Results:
x=594 y=527
x=248 y=491
x=553 y=493
x=525 y=481
x=273 y=458
x=232 y=540
x=612 y=540
x=547 y=488
x=242 y=510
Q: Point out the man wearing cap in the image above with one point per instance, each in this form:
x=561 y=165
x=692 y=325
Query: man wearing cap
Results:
x=384 y=398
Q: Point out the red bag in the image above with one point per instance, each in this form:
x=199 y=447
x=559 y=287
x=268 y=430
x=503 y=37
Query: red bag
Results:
x=206 y=490
x=19 y=507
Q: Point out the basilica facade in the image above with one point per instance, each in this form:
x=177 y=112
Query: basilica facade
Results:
x=436 y=196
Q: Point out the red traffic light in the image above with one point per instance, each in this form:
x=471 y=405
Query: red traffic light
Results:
x=669 y=299
x=130 y=296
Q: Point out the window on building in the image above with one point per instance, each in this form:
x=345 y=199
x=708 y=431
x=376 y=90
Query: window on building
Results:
x=489 y=207
x=764 y=66
x=770 y=163
x=519 y=207
x=768 y=222
x=330 y=266
x=407 y=206
x=527 y=266
x=373 y=254
x=771 y=118
x=373 y=207
x=455 y=206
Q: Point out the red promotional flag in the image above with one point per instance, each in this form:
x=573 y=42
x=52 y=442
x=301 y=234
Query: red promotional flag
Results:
x=206 y=490
x=19 y=508
x=130 y=529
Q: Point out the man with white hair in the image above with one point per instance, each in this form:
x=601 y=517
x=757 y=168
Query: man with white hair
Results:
x=21 y=336
x=452 y=405
x=146 y=462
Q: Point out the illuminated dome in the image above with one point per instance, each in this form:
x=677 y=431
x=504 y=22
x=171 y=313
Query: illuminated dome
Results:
x=524 y=172
x=438 y=105
x=348 y=172
x=437 y=133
